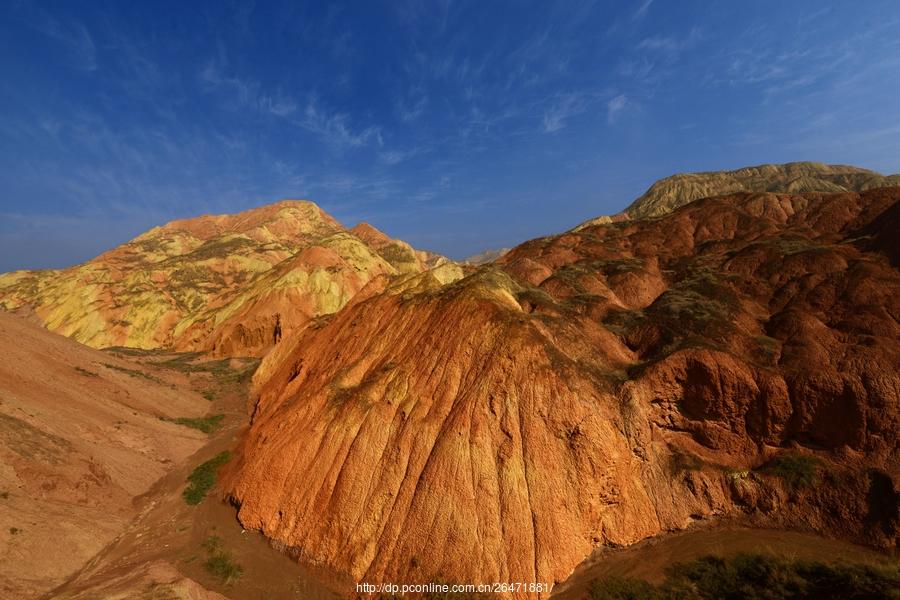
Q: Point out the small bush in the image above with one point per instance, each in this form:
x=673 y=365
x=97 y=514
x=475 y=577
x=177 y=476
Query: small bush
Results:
x=203 y=478
x=212 y=543
x=223 y=566
x=797 y=470
x=206 y=424
x=219 y=562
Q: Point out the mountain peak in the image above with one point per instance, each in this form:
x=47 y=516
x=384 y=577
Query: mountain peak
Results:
x=213 y=282
x=209 y=225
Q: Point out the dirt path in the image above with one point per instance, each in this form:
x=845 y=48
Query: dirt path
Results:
x=164 y=553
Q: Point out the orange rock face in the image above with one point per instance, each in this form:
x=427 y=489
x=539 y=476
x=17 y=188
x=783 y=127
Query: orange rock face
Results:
x=595 y=387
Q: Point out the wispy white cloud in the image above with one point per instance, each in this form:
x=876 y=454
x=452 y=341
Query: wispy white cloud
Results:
x=615 y=107
x=562 y=110
x=641 y=12
x=72 y=35
x=334 y=128
x=245 y=93
x=671 y=45
x=413 y=108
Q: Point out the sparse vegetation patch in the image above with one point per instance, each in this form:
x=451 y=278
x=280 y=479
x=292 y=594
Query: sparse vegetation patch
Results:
x=132 y=372
x=221 y=370
x=203 y=478
x=534 y=298
x=220 y=563
x=797 y=470
x=756 y=577
x=206 y=424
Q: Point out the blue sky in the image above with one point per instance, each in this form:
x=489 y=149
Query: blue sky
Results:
x=456 y=126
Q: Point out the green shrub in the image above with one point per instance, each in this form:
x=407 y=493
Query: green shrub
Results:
x=206 y=424
x=797 y=470
x=219 y=561
x=212 y=543
x=223 y=566
x=203 y=478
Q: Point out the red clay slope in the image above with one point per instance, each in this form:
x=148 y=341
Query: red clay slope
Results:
x=81 y=434
x=595 y=387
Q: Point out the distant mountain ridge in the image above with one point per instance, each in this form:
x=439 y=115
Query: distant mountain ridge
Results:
x=485 y=256
x=230 y=284
x=667 y=194
x=219 y=283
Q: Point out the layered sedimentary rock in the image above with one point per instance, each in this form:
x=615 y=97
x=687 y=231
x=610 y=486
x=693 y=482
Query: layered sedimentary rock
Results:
x=228 y=284
x=595 y=387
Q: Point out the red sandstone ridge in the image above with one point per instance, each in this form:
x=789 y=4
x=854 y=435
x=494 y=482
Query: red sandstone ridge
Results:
x=595 y=387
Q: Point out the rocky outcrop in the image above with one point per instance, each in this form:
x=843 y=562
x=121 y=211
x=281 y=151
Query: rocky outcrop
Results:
x=595 y=387
x=214 y=283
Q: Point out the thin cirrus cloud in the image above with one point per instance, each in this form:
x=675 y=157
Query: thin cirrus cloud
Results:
x=615 y=107
x=447 y=125
x=70 y=34
x=642 y=10
x=556 y=117
x=245 y=93
x=334 y=128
